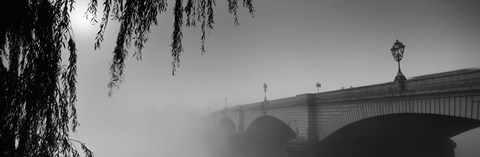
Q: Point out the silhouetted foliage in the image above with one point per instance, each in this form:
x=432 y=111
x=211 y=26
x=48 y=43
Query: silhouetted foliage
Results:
x=38 y=88
x=136 y=18
x=37 y=92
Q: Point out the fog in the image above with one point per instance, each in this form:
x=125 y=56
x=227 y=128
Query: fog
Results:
x=290 y=45
x=173 y=130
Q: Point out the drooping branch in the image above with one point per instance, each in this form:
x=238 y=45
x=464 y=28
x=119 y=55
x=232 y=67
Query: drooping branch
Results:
x=137 y=17
x=37 y=91
x=177 y=35
x=232 y=9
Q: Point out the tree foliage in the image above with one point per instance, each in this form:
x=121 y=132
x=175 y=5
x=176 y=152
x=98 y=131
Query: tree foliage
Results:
x=37 y=92
x=38 y=88
x=137 y=17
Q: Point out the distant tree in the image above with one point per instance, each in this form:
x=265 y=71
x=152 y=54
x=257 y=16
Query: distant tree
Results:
x=38 y=88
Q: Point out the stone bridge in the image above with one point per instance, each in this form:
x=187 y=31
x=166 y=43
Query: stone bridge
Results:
x=416 y=117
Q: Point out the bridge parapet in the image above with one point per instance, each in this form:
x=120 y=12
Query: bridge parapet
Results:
x=460 y=80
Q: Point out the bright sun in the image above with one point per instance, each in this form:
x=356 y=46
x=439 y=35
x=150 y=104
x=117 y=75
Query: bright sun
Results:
x=80 y=24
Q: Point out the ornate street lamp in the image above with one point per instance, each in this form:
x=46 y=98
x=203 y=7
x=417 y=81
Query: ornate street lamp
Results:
x=225 y=102
x=265 y=101
x=265 y=90
x=225 y=108
x=318 y=87
x=397 y=52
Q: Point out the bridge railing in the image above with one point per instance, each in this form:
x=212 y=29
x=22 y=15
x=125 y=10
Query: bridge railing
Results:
x=454 y=81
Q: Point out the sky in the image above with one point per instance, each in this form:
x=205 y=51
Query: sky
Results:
x=290 y=45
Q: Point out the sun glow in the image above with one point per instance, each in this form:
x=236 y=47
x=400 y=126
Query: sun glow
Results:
x=80 y=24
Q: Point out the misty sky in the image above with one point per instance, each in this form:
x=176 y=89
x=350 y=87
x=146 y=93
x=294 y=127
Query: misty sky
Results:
x=289 y=44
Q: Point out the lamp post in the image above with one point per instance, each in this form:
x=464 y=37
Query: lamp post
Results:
x=225 y=107
x=265 y=101
x=225 y=102
x=318 y=87
x=397 y=52
x=265 y=90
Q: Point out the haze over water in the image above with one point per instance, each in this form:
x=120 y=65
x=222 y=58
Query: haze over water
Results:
x=290 y=45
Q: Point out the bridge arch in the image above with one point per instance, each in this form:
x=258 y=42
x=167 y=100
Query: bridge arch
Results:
x=404 y=126
x=224 y=130
x=226 y=126
x=270 y=129
x=404 y=133
x=459 y=106
x=265 y=136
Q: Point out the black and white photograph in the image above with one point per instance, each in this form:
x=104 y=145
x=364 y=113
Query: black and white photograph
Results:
x=240 y=78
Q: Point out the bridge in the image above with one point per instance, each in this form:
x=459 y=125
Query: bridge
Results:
x=414 y=117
